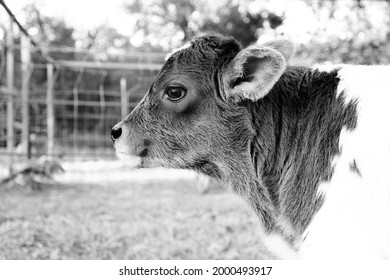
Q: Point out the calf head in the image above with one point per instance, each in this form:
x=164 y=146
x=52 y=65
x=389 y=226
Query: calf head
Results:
x=194 y=114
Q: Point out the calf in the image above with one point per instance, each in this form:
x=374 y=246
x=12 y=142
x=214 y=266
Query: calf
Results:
x=308 y=148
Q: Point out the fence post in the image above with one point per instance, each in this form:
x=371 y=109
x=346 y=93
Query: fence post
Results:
x=124 y=98
x=10 y=99
x=26 y=60
x=50 y=109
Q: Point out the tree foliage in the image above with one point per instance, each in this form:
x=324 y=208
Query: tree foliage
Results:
x=176 y=21
x=345 y=31
x=356 y=32
x=242 y=25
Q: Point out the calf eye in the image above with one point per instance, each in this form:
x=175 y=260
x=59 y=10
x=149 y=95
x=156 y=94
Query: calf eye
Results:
x=175 y=93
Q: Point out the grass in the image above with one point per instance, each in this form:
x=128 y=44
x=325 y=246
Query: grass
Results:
x=108 y=213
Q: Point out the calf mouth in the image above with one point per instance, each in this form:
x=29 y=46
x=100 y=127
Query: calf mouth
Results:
x=140 y=154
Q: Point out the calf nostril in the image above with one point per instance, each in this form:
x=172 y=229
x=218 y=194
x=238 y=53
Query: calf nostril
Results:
x=116 y=133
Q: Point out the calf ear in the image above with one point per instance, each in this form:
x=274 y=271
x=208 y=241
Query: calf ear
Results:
x=256 y=69
x=286 y=48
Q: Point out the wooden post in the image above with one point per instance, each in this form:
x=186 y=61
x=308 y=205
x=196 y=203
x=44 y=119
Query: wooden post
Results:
x=50 y=109
x=10 y=91
x=124 y=98
x=26 y=60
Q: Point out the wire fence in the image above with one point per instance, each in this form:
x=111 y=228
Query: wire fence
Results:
x=70 y=105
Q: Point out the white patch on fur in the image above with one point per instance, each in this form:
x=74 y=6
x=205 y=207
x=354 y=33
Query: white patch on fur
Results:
x=326 y=67
x=287 y=227
x=185 y=46
x=354 y=221
x=279 y=247
x=321 y=190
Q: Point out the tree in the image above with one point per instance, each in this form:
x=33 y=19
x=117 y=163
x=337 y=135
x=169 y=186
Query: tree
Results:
x=173 y=22
x=49 y=31
x=158 y=20
x=244 y=26
x=356 y=32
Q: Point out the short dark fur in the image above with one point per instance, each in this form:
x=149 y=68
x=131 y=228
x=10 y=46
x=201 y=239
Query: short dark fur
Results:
x=274 y=152
x=298 y=125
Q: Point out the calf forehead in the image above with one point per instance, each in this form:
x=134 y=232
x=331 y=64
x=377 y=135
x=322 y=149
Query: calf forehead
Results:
x=179 y=71
x=199 y=59
x=193 y=59
x=185 y=46
x=185 y=64
x=205 y=52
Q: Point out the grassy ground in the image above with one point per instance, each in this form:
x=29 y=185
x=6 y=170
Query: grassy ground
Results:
x=111 y=213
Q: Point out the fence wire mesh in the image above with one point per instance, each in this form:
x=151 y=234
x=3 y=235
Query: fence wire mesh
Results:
x=86 y=98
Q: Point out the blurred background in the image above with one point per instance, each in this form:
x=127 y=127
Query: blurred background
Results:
x=69 y=70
